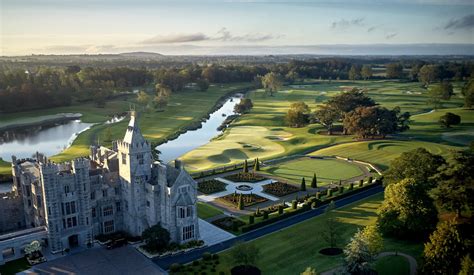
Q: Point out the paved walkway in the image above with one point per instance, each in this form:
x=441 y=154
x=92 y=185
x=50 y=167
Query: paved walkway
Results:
x=411 y=261
x=100 y=261
x=165 y=262
x=231 y=188
x=212 y=234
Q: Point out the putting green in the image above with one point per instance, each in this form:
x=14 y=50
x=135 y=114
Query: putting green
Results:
x=327 y=170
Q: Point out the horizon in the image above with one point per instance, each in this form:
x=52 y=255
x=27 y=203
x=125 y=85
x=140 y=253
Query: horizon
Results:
x=217 y=27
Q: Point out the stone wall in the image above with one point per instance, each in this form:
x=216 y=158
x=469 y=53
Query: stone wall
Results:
x=12 y=216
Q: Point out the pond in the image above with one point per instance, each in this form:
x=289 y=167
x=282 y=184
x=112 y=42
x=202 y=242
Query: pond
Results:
x=193 y=139
x=47 y=139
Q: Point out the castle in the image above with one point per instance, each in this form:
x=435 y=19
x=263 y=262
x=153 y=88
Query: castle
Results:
x=118 y=189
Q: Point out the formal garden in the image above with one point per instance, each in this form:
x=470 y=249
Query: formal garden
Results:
x=211 y=186
x=240 y=200
x=280 y=189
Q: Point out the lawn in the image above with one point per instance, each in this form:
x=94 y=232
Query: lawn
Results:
x=292 y=250
x=381 y=152
x=327 y=170
x=206 y=211
x=14 y=267
x=184 y=108
x=392 y=265
x=262 y=132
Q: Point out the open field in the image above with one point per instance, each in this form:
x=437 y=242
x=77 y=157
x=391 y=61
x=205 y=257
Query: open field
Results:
x=381 y=152
x=184 y=108
x=291 y=250
x=262 y=132
x=327 y=170
x=206 y=211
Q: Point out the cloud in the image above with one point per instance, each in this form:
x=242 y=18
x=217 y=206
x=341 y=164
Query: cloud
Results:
x=371 y=29
x=466 y=22
x=225 y=35
x=391 y=35
x=176 y=38
x=344 y=24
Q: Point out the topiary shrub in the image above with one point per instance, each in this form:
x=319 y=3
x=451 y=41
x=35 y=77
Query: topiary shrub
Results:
x=280 y=209
x=330 y=191
x=351 y=186
x=265 y=215
x=361 y=183
x=370 y=180
x=341 y=189
x=251 y=219
x=294 y=204
x=318 y=195
x=207 y=256
x=175 y=267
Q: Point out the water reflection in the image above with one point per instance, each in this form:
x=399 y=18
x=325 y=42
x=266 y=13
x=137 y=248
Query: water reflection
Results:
x=47 y=139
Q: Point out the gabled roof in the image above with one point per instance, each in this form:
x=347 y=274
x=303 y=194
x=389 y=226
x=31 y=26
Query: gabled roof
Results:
x=184 y=199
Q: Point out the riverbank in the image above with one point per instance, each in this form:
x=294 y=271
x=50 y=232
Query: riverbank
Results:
x=38 y=121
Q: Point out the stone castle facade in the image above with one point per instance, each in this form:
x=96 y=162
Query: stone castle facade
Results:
x=118 y=189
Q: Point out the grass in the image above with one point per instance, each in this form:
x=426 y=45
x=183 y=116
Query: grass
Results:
x=392 y=265
x=206 y=211
x=5 y=167
x=262 y=132
x=184 y=108
x=326 y=170
x=381 y=152
x=14 y=267
x=292 y=250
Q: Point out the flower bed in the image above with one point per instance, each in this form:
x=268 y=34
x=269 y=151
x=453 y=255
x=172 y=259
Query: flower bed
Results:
x=228 y=223
x=245 y=177
x=249 y=199
x=211 y=186
x=279 y=189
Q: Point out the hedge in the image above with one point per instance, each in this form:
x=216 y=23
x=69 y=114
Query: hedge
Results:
x=306 y=207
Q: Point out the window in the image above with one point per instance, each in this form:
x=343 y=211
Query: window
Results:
x=66 y=189
x=104 y=193
x=109 y=227
x=116 y=190
x=38 y=200
x=189 y=211
x=93 y=212
x=188 y=232
x=70 y=208
x=140 y=158
x=118 y=207
x=93 y=195
x=70 y=222
x=147 y=203
x=108 y=210
x=181 y=213
x=124 y=158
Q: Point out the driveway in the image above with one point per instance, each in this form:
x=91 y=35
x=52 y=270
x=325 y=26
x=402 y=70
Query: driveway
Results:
x=100 y=261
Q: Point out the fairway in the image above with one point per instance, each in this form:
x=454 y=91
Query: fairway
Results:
x=381 y=152
x=327 y=170
x=263 y=133
x=292 y=250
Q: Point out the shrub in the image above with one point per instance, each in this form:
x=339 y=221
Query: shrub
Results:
x=314 y=181
x=330 y=191
x=294 y=204
x=318 y=195
x=207 y=256
x=265 y=215
x=215 y=256
x=361 y=183
x=211 y=186
x=280 y=209
x=351 y=186
x=251 y=219
x=279 y=189
x=314 y=204
x=341 y=189
x=195 y=262
x=175 y=267
x=303 y=185
x=370 y=180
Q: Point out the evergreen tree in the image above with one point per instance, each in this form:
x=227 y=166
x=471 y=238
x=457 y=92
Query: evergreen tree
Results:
x=241 y=202
x=256 y=166
x=362 y=250
x=246 y=167
x=303 y=185
x=314 y=181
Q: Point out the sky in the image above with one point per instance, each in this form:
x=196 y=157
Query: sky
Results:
x=182 y=27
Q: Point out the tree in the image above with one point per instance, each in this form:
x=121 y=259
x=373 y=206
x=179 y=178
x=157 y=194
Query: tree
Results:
x=428 y=74
x=366 y=72
x=449 y=119
x=443 y=251
x=309 y=271
x=468 y=93
x=394 y=70
x=298 y=114
x=314 y=181
x=332 y=228
x=367 y=122
x=245 y=254
x=272 y=82
x=256 y=166
x=156 y=238
x=346 y=102
x=246 y=167
x=444 y=91
x=354 y=72
x=291 y=76
x=162 y=94
x=326 y=115
x=303 y=185
x=33 y=247
x=143 y=98
x=362 y=250
x=240 y=205
x=203 y=84
x=455 y=188
x=407 y=210
x=418 y=164
x=243 y=106
x=467 y=265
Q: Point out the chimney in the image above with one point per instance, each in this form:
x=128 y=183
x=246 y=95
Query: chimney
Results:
x=177 y=164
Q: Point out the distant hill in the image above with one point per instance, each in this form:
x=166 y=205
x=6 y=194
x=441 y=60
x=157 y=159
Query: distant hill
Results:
x=141 y=54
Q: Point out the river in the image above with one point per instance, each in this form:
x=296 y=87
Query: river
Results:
x=193 y=139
